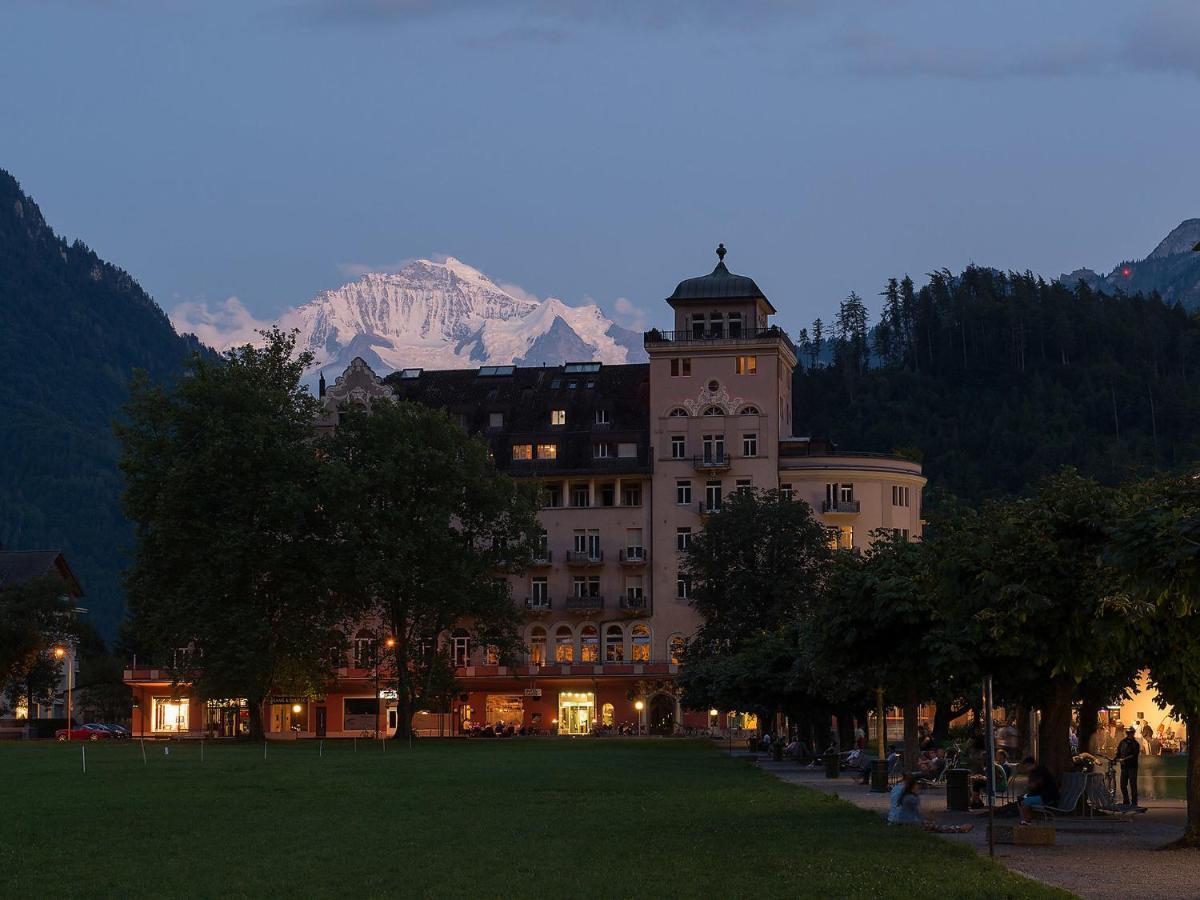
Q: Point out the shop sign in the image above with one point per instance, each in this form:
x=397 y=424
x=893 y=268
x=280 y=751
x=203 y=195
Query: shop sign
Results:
x=535 y=693
x=288 y=698
x=389 y=694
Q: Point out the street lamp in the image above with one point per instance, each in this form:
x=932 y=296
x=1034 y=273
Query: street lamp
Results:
x=639 y=706
x=60 y=652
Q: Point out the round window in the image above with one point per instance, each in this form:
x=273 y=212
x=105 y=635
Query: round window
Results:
x=714 y=385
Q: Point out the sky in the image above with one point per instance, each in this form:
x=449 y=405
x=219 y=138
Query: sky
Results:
x=247 y=155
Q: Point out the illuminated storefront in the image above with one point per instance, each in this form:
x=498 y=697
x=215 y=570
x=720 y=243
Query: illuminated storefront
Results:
x=169 y=715
x=576 y=710
x=505 y=709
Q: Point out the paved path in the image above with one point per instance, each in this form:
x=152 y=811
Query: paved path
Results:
x=1098 y=859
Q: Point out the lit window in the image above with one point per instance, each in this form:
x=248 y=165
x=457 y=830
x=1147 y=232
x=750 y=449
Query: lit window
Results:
x=522 y=451
x=170 y=715
x=640 y=643
x=589 y=644
x=558 y=417
x=537 y=646
x=606 y=715
x=614 y=644
x=564 y=645
x=750 y=444
x=683 y=492
x=678 y=645
x=681 y=366
x=547 y=451
x=747 y=365
x=495 y=420
x=678 y=446
x=843 y=539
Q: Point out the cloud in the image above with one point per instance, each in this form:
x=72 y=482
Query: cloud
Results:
x=632 y=315
x=517 y=291
x=359 y=269
x=220 y=325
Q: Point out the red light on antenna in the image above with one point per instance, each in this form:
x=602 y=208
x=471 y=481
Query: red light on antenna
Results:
x=1127 y=271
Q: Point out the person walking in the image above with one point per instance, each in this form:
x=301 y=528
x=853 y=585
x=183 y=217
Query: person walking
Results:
x=1127 y=755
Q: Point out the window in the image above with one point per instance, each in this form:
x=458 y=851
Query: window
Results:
x=681 y=366
x=585 y=586
x=552 y=494
x=539 y=594
x=537 y=646
x=750 y=444
x=735 y=325
x=678 y=446
x=712 y=495
x=714 y=411
x=747 y=365
x=410 y=373
x=845 y=493
x=572 y=384
x=491 y=655
x=601 y=450
x=899 y=495
x=683 y=492
x=627 y=450
x=677 y=413
x=633 y=543
x=640 y=643
x=678 y=645
x=900 y=533
x=170 y=715
x=496 y=420
x=580 y=495
x=547 y=451
x=555 y=384
x=631 y=495
x=580 y=367
x=543 y=547
x=558 y=417
x=608 y=494
x=683 y=587
x=698 y=326
x=785 y=491
x=614 y=644
x=716 y=325
x=683 y=538
x=742 y=486
x=602 y=417
x=606 y=715
x=593 y=543
x=749 y=411
x=589 y=644
x=364 y=651
x=714 y=448
x=843 y=539
x=460 y=649
x=564 y=645
x=496 y=370
x=522 y=451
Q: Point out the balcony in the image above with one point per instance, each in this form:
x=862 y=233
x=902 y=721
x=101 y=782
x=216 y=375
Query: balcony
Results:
x=711 y=462
x=585 y=604
x=537 y=604
x=633 y=556
x=840 y=507
x=654 y=337
x=542 y=558
x=585 y=557
x=704 y=508
x=635 y=603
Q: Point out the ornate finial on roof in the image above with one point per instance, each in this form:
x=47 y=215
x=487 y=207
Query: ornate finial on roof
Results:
x=721 y=252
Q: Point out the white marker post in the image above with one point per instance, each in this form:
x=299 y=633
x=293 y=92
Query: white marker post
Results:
x=264 y=749
x=321 y=751
x=143 y=740
x=83 y=751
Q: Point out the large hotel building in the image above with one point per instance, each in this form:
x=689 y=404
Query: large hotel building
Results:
x=632 y=459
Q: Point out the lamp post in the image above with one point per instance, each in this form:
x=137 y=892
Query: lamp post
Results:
x=390 y=643
x=639 y=706
x=61 y=653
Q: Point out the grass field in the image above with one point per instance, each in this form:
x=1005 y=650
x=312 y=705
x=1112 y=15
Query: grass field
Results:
x=480 y=818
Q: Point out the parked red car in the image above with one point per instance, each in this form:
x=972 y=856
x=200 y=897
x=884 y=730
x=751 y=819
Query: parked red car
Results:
x=85 y=733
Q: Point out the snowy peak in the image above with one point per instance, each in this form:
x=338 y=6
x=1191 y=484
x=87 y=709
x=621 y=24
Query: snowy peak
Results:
x=450 y=315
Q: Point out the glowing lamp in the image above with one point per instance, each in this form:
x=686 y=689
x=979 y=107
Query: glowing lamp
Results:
x=59 y=652
x=639 y=706
x=714 y=712
x=295 y=707
x=390 y=642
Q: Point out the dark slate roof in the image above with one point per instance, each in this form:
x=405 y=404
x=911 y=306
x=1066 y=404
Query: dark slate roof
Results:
x=720 y=284
x=20 y=566
x=526 y=397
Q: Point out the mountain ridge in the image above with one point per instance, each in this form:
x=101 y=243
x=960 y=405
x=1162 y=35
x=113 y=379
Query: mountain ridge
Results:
x=1171 y=270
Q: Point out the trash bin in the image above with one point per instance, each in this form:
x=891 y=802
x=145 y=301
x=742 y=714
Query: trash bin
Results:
x=879 y=776
x=777 y=751
x=831 y=765
x=958 y=790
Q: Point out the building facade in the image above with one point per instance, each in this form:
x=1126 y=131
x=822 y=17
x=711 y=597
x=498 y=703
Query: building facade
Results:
x=631 y=460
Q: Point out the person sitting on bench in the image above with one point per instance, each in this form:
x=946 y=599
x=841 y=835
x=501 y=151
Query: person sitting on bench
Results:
x=1042 y=791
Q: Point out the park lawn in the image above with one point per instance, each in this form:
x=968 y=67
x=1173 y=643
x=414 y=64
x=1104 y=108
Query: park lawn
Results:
x=499 y=818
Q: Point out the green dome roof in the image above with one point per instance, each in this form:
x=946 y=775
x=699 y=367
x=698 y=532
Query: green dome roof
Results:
x=720 y=284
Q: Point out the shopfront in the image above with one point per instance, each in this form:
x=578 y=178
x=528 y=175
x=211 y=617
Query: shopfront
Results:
x=505 y=709
x=169 y=715
x=576 y=712
x=227 y=718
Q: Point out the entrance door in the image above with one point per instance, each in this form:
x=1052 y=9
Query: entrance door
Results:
x=575 y=712
x=662 y=714
x=321 y=721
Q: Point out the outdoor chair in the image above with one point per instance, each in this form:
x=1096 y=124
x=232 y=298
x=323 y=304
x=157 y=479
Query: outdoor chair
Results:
x=1073 y=786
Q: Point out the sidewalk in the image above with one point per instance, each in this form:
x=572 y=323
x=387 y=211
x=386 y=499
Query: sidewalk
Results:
x=1095 y=858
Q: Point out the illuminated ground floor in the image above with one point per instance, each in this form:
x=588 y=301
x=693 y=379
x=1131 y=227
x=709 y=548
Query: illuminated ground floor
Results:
x=547 y=700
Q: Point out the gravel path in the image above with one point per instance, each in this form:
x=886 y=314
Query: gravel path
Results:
x=1096 y=858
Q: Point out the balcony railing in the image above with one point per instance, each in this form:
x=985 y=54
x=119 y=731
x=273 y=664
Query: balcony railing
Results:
x=542 y=558
x=585 y=557
x=839 y=506
x=633 y=556
x=634 y=602
x=577 y=603
x=711 y=462
x=537 y=604
x=654 y=336
x=705 y=508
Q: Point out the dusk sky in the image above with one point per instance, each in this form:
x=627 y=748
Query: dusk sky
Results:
x=268 y=151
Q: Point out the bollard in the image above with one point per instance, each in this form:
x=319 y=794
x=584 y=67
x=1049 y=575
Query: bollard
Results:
x=83 y=750
x=321 y=751
x=264 y=749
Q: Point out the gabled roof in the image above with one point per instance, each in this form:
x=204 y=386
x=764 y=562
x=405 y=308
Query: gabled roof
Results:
x=20 y=566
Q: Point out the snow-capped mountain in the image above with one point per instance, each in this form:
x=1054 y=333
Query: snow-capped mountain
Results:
x=446 y=315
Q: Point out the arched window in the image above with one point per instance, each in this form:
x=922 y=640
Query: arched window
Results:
x=677 y=412
x=614 y=644
x=537 y=646
x=714 y=411
x=589 y=644
x=749 y=411
x=564 y=644
x=677 y=647
x=606 y=715
x=640 y=643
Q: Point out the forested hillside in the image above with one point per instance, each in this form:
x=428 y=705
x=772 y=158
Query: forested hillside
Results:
x=996 y=379
x=72 y=329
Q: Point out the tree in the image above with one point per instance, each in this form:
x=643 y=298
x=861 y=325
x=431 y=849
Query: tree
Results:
x=1156 y=549
x=1022 y=583
x=428 y=526
x=225 y=489
x=34 y=617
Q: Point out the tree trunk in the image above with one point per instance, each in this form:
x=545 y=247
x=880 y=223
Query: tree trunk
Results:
x=1089 y=713
x=941 y=720
x=1054 y=737
x=254 y=707
x=1191 y=832
x=912 y=741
